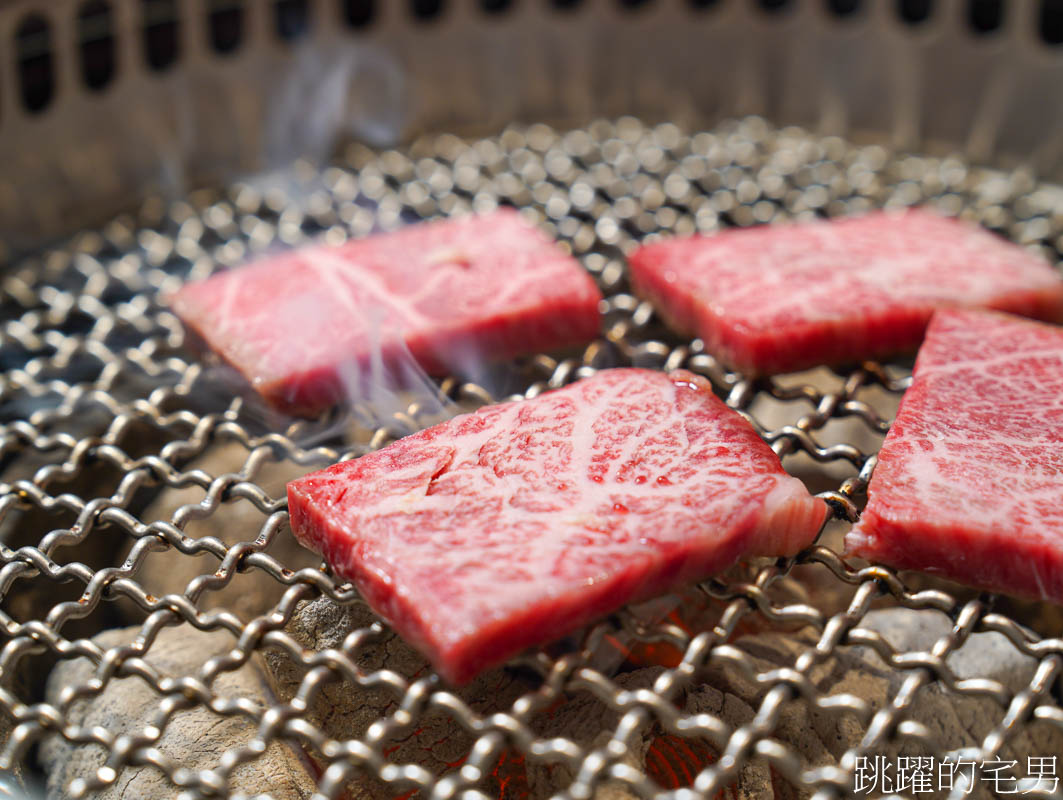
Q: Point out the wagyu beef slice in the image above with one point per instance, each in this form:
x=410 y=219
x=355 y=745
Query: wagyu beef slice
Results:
x=778 y=298
x=516 y=524
x=969 y=482
x=303 y=326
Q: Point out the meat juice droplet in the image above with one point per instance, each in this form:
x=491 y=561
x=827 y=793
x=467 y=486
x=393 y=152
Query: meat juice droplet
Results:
x=620 y=508
x=663 y=481
x=597 y=478
x=689 y=384
x=640 y=479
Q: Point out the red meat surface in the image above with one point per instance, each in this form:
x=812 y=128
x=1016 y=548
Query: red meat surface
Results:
x=780 y=298
x=304 y=327
x=519 y=523
x=969 y=482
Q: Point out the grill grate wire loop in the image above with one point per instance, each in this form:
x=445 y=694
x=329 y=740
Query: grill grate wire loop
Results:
x=97 y=381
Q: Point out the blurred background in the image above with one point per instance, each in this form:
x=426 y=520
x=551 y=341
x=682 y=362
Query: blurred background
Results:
x=105 y=101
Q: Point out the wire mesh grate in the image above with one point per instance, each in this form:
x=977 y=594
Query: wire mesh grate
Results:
x=142 y=488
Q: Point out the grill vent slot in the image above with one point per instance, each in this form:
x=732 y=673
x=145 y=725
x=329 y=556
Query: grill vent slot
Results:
x=985 y=16
x=36 y=69
x=226 y=26
x=774 y=6
x=427 y=9
x=915 y=12
x=1051 y=22
x=291 y=19
x=160 y=26
x=843 y=8
x=358 y=13
x=96 y=37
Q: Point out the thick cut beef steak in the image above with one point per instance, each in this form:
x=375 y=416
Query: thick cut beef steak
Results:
x=778 y=298
x=969 y=482
x=305 y=327
x=516 y=524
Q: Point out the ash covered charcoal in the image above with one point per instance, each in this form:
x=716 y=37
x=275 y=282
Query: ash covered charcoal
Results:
x=584 y=719
x=195 y=738
x=822 y=737
x=966 y=720
x=12 y=782
x=249 y=593
x=779 y=298
x=438 y=743
x=25 y=523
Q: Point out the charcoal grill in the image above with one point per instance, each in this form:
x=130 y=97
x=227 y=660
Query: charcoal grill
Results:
x=607 y=123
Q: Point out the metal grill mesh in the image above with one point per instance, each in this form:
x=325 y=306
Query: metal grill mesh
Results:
x=102 y=407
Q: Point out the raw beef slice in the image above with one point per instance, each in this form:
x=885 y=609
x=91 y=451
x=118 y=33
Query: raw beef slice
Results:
x=780 y=298
x=969 y=482
x=304 y=327
x=517 y=524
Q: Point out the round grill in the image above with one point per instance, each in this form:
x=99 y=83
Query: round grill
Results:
x=105 y=410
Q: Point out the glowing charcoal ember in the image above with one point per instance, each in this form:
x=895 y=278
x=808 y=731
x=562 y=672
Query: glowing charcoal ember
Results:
x=517 y=524
x=346 y=710
x=306 y=327
x=970 y=478
x=781 y=298
x=674 y=762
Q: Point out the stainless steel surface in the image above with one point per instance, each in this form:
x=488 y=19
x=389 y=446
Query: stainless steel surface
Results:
x=252 y=99
x=86 y=341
